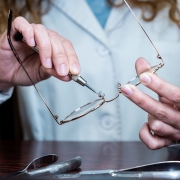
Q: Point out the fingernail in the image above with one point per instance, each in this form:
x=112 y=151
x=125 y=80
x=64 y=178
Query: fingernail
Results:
x=63 y=70
x=126 y=90
x=145 y=78
x=32 y=42
x=48 y=63
x=75 y=68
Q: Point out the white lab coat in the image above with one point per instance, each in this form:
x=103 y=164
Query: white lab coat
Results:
x=5 y=94
x=106 y=56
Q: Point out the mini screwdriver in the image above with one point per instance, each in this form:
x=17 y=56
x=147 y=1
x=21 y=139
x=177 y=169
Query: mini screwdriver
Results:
x=76 y=78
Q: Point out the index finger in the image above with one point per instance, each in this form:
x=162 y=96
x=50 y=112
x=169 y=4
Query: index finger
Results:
x=73 y=61
x=161 y=87
x=141 y=65
x=156 y=84
x=24 y=27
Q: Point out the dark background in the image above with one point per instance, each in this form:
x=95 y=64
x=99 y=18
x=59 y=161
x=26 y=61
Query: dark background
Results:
x=10 y=126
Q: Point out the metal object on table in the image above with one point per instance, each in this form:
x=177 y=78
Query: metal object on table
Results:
x=160 y=170
x=37 y=163
x=54 y=168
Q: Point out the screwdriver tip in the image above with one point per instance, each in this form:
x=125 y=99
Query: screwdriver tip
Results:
x=91 y=88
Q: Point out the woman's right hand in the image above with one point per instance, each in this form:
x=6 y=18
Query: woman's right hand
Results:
x=163 y=126
x=56 y=57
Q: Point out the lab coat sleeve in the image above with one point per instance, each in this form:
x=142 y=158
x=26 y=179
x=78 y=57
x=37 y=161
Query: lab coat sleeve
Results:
x=5 y=94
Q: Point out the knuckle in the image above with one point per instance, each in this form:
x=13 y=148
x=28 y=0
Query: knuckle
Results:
x=60 y=55
x=140 y=101
x=160 y=113
x=156 y=126
x=150 y=144
x=53 y=34
x=159 y=84
x=39 y=27
x=27 y=30
x=153 y=145
x=46 y=47
x=67 y=43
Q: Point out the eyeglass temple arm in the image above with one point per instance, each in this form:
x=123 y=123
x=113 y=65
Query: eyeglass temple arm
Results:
x=21 y=63
x=159 y=55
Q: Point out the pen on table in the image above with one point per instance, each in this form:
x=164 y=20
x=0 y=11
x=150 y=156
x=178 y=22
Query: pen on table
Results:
x=76 y=78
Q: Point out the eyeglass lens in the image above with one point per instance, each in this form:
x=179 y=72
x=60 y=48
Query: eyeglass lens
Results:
x=82 y=111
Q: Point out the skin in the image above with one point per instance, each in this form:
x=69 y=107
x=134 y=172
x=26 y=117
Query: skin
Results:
x=56 y=56
x=163 y=126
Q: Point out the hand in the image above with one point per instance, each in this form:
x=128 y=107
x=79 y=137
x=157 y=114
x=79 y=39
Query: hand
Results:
x=163 y=126
x=56 y=55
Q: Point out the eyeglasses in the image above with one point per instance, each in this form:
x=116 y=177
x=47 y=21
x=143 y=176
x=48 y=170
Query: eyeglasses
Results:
x=91 y=106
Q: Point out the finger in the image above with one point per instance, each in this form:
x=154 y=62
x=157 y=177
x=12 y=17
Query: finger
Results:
x=21 y=25
x=44 y=45
x=141 y=65
x=162 y=129
x=161 y=111
x=153 y=141
x=73 y=61
x=165 y=101
x=59 y=56
x=164 y=89
x=45 y=72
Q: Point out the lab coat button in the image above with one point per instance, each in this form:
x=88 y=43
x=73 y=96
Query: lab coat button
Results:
x=107 y=122
x=102 y=51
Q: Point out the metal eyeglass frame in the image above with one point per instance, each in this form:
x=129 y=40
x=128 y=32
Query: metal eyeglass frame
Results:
x=101 y=99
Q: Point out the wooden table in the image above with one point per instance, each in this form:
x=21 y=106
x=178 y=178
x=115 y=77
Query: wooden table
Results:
x=15 y=156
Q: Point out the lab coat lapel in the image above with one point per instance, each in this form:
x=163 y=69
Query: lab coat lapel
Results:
x=83 y=16
x=116 y=18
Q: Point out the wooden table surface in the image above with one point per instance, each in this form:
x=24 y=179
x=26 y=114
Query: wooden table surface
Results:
x=15 y=156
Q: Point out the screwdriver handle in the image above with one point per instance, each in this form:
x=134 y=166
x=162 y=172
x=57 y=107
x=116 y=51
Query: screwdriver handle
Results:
x=78 y=79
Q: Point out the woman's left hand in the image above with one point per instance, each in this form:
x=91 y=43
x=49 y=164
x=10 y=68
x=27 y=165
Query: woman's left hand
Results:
x=163 y=126
x=56 y=57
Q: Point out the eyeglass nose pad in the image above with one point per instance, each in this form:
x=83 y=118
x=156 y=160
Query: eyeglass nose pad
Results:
x=101 y=94
x=118 y=86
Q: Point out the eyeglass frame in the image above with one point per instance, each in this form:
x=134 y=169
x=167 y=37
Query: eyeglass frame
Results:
x=156 y=68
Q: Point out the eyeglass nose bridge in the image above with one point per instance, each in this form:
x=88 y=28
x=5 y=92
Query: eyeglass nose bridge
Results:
x=118 y=86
